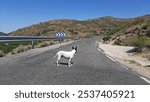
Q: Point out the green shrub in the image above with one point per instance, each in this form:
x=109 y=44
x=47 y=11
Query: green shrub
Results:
x=142 y=41
x=17 y=47
x=1 y=54
x=137 y=41
x=10 y=46
x=148 y=33
x=106 y=38
x=138 y=21
x=88 y=36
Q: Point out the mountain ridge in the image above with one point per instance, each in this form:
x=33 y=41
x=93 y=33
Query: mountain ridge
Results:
x=64 y=25
x=2 y=34
x=104 y=25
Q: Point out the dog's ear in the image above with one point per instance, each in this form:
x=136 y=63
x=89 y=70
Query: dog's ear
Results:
x=76 y=48
x=72 y=47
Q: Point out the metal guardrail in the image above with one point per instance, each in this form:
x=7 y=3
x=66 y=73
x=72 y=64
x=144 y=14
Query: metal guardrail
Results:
x=29 y=38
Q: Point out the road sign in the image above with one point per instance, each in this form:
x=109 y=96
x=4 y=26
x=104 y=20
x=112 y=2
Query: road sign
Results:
x=60 y=34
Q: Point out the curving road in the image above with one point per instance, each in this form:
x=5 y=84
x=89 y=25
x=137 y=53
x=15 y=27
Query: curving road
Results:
x=90 y=67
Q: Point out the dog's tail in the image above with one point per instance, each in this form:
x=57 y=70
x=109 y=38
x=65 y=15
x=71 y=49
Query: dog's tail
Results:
x=55 y=55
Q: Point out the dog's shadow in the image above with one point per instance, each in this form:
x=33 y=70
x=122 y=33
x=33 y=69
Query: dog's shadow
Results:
x=63 y=63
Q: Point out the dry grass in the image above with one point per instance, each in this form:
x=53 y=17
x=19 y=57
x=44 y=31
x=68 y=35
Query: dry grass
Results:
x=146 y=54
x=45 y=43
x=21 y=48
x=134 y=62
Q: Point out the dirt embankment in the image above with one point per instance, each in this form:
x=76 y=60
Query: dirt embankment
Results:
x=125 y=56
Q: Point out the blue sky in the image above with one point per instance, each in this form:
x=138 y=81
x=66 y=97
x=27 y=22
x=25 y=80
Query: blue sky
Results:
x=16 y=14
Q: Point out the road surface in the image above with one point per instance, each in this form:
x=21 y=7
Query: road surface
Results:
x=90 y=67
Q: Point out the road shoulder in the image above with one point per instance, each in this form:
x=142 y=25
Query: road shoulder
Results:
x=129 y=61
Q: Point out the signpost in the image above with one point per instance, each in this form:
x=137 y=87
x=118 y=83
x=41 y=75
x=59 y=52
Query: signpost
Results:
x=58 y=34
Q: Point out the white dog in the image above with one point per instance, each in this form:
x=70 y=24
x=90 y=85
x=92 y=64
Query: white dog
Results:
x=66 y=54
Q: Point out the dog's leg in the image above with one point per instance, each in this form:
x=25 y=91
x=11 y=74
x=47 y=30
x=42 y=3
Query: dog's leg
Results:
x=58 y=60
x=57 y=63
x=69 y=63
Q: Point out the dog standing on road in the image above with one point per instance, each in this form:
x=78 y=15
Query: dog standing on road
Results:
x=66 y=54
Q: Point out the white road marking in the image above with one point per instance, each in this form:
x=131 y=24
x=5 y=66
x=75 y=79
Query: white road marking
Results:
x=111 y=58
x=106 y=55
x=33 y=54
x=145 y=79
x=100 y=50
x=125 y=67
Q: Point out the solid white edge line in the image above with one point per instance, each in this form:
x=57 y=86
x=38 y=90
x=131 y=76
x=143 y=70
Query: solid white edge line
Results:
x=125 y=67
x=107 y=55
x=111 y=58
x=99 y=50
x=145 y=79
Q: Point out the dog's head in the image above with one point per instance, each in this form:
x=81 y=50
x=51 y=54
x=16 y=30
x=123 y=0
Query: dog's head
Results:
x=74 y=48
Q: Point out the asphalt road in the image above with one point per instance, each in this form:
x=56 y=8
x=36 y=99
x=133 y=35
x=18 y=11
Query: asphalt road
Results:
x=90 y=66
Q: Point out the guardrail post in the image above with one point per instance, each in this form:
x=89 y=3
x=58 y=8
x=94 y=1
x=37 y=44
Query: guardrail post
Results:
x=60 y=40
x=32 y=44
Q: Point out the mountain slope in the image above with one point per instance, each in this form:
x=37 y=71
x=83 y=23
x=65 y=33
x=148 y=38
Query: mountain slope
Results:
x=138 y=29
x=2 y=34
x=93 y=26
x=122 y=31
x=130 y=32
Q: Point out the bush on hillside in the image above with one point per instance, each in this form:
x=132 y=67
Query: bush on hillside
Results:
x=10 y=46
x=1 y=54
x=148 y=33
x=142 y=41
x=137 y=41
x=106 y=38
x=44 y=44
x=21 y=48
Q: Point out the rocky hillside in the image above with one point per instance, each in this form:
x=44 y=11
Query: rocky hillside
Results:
x=133 y=31
x=82 y=28
x=136 y=32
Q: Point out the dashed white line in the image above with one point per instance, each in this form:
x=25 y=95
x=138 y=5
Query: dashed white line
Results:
x=145 y=79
